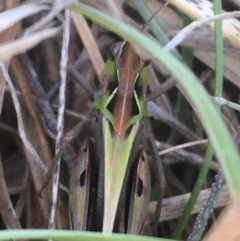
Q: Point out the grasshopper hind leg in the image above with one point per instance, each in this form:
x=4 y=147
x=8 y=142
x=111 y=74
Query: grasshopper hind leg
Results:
x=157 y=168
x=99 y=155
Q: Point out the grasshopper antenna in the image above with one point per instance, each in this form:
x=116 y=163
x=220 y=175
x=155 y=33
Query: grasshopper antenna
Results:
x=155 y=13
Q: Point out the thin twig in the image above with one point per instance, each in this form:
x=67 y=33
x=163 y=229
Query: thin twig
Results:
x=178 y=39
x=185 y=145
x=173 y=206
x=60 y=120
x=58 y=6
x=158 y=113
x=21 y=128
x=183 y=156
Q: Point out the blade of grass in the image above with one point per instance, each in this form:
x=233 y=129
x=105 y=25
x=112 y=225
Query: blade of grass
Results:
x=211 y=120
x=219 y=50
x=222 y=101
x=195 y=193
x=209 y=152
x=12 y=16
x=71 y=236
x=21 y=45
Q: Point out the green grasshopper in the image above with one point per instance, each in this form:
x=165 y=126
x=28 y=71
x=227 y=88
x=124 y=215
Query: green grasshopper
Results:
x=112 y=173
x=122 y=121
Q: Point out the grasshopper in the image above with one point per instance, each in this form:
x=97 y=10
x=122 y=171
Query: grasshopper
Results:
x=112 y=173
x=122 y=121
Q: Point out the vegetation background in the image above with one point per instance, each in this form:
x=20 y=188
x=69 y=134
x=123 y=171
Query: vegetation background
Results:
x=31 y=43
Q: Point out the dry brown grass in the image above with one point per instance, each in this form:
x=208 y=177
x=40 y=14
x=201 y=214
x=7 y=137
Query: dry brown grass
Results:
x=30 y=49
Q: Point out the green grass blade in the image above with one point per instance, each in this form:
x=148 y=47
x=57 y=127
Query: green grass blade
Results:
x=217 y=6
x=71 y=236
x=209 y=153
x=222 y=101
x=207 y=112
x=195 y=193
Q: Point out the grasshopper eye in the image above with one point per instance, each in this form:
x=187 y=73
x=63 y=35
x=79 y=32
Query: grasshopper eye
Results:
x=146 y=62
x=115 y=51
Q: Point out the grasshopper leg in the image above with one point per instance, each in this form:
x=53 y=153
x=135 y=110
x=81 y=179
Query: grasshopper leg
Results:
x=158 y=172
x=71 y=135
